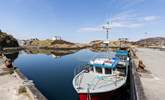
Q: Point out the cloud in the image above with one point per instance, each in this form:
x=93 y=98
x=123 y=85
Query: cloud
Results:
x=125 y=19
x=131 y=19
x=126 y=25
x=151 y=18
x=90 y=29
x=130 y=3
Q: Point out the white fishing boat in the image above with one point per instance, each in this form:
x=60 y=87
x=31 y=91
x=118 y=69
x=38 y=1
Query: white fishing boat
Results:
x=102 y=76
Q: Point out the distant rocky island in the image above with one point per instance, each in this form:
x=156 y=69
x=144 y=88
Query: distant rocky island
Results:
x=65 y=45
x=150 y=42
x=7 y=40
x=52 y=44
x=155 y=42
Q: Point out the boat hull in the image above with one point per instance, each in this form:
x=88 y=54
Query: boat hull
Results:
x=100 y=96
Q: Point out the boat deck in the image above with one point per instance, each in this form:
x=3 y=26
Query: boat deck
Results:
x=96 y=83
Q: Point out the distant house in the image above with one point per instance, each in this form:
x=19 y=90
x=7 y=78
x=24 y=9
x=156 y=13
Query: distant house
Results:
x=26 y=42
x=21 y=42
x=56 y=38
x=123 y=41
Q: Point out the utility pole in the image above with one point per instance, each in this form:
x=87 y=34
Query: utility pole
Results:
x=107 y=28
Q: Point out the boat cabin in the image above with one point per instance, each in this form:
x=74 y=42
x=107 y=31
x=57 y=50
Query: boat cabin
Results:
x=122 y=55
x=104 y=66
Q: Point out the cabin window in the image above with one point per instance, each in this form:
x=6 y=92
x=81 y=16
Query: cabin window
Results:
x=108 y=71
x=124 y=57
x=121 y=69
x=98 y=69
x=120 y=65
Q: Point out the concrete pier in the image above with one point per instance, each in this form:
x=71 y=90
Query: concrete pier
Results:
x=15 y=86
x=152 y=81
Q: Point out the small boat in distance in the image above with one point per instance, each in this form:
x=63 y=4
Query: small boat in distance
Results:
x=102 y=76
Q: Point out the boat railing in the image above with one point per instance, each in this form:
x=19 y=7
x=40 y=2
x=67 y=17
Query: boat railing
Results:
x=103 y=55
x=80 y=68
x=115 y=82
x=78 y=79
x=78 y=71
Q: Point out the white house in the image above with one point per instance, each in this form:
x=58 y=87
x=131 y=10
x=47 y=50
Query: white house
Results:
x=56 y=38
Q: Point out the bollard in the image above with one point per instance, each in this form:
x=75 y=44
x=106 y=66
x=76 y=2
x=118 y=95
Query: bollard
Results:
x=141 y=66
x=8 y=63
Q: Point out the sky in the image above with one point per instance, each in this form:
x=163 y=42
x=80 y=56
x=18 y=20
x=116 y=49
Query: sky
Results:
x=82 y=20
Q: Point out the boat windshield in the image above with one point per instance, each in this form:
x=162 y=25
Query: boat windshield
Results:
x=122 y=57
x=108 y=71
x=104 y=55
x=121 y=68
x=98 y=70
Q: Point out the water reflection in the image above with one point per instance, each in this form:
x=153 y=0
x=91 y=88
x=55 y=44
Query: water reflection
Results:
x=54 y=53
x=12 y=55
x=53 y=77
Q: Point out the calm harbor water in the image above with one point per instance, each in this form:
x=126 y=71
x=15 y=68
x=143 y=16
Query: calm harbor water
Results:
x=53 y=74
